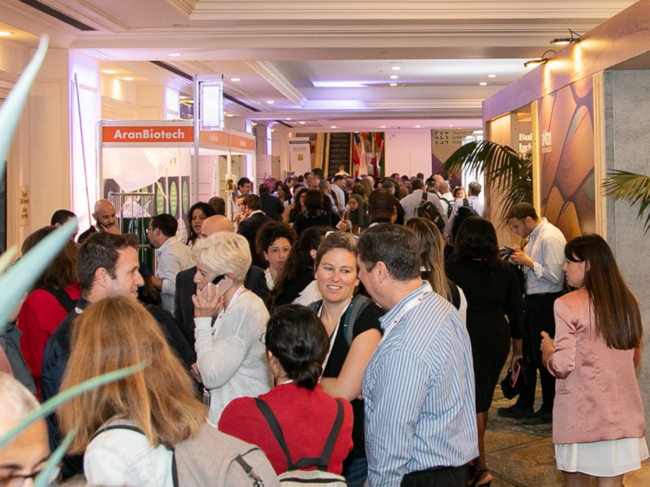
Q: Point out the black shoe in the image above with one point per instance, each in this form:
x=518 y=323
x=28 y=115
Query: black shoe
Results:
x=515 y=412
x=540 y=417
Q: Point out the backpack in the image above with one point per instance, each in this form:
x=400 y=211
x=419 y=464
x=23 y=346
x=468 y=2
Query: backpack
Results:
x=356 y=307
x=297 y=478
x=64 y=299
x=212 y=458
x=450 y=205
x=462 y=214
x=427 y=209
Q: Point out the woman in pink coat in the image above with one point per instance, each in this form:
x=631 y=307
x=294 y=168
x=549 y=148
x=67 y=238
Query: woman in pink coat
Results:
x=598 y=421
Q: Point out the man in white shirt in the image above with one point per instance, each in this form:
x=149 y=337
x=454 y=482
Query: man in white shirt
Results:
x=338 y=188
x=446 y=198
x=172 y=257
x=411 y=202
x=472 y=201
x=541 y=262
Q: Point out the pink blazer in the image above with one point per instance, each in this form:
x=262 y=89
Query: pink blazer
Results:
x=597 y=396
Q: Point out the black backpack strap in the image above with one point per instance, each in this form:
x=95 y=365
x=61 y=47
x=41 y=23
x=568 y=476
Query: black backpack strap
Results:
x=315 y=306
x=117 y=427
x=63 y=298
x=326 y=454
x=425 y=196
x=272 y=421
x=356 y=307
x=257 y=480
x=466 y=202
x=455 y=294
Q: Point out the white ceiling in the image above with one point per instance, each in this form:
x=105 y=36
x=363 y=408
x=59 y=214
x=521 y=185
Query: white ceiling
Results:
x=324 y=62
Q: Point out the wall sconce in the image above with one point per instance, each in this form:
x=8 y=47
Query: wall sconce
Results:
x=563 y=41
x=540 y=60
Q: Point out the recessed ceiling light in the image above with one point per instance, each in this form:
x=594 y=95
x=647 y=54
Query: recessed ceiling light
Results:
x=254 y=124
x=394 y=76
x=451 y=126
x=4 y=33
x=492 y=75
x=235 y=79
x=288 y=119
x=418 y=126
x=393 y=84
x=230 y=115
x=272 y=130
x=128 y=78
x=396 y=68
x=183 y=97
x=333 y=126
x=108 y=71
x=483 y=83
x=301 y=123
x=382 y=126
x=270 y=102
x=174 y=54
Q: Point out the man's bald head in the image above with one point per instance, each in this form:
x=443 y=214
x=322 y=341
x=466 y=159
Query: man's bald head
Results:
x=104 y=215
x=214 y=224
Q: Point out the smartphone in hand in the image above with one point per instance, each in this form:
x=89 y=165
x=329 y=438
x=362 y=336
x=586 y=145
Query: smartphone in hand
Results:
x=222 y=282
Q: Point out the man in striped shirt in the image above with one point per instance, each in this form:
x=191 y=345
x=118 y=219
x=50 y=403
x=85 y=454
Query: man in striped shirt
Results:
x=419 y=384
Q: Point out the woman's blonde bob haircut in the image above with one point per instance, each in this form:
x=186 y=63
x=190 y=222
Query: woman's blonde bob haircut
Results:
x=112 y=334
x=224 y=253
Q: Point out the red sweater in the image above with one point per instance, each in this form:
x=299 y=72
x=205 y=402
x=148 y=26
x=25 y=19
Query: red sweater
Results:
x=306 y=418
x=40 y=315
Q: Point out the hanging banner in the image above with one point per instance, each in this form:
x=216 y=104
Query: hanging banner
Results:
x=300 y=155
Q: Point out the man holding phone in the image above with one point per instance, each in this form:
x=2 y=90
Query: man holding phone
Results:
x=104 y=216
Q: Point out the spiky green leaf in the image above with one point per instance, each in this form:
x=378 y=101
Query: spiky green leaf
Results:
x=7 y=258
x=50 y=405
x=43 y=479
x=13 y=105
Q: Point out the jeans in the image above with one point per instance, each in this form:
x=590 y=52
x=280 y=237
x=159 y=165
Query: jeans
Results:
x=355 y=471
x=442 y=477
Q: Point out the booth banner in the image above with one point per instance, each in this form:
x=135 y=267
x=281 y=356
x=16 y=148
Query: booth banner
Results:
x=443 y=144
x=300 y=154
x=174 y=195
x=160 y=188
x=567 y=185
x=146 y=135
x=242 y=144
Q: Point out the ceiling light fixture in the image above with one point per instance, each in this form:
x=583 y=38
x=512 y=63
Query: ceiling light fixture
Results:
x=108 y=71
x=418 y=126
x=394 y=77
x=483 y=83
x=540 y=60
x=288 y=119
x=127 y=78
x=492 y=75
x=254 y=124
x=333 y=126
x=4 y=33
x=230 y=115
x=301 y=123
x=235 y=79
x=174 y=54
x=382 y=126
x=396 y=68
x=393 y=84
x=563 y=41
x=270 y=102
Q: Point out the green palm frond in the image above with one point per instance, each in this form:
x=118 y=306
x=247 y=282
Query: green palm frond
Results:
x=43 y=479
x=512 y=172
x=631 y=187
x=50 y=405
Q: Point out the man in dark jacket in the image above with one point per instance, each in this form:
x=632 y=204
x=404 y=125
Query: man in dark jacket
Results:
x=107 y=267
x=271 y=206
x=186 y=287
x=248 y=228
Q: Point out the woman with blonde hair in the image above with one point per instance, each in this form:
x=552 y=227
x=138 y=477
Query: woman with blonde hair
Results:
x=158 y=400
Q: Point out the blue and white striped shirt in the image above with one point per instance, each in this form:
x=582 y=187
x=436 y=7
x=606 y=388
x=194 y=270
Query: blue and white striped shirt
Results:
x=418 y=390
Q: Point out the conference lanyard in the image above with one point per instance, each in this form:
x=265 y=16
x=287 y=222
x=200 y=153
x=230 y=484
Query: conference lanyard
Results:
x=238 y=293
x=333 y=337
x=408 y=306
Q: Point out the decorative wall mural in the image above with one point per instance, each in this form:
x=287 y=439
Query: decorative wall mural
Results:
x=567 y=186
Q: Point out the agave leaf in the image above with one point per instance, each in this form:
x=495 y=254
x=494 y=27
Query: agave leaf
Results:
x=50 y=405
x=13 y=105
x=7 y=258
x=631 y=187
x=26 y=271
x=43 y=478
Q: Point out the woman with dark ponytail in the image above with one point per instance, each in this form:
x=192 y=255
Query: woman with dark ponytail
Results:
x=296 y=347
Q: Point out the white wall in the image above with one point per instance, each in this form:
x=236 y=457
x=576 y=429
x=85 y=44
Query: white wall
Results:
x=408 y=152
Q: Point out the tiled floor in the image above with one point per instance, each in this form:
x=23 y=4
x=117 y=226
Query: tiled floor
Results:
x=523 y=456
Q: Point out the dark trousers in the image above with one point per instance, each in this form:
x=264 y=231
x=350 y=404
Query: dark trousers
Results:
x=538 y=317
x=437 y=477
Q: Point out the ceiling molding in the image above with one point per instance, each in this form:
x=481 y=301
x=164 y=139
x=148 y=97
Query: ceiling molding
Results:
x=186 y=7
x=276 y=79
x=403 y=10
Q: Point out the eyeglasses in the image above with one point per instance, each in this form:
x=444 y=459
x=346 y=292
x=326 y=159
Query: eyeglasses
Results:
x=263 y=338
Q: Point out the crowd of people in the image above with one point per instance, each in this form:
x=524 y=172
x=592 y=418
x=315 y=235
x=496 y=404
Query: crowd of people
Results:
x=348 y=330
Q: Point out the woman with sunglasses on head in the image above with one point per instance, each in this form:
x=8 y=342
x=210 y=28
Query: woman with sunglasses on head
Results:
x=197 y=214
x=598 y=420
x=352 y=324
x=296 y=345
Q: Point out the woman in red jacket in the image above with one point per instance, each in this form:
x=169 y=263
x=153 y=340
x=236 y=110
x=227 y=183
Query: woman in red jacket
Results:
x=598 y=421
x=53 y=298
x=296 y=344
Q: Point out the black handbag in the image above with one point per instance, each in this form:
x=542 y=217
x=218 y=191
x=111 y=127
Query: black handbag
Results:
x=515 y=382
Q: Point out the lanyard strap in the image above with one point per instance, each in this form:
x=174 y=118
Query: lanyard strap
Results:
x=333 y=337
x=408 y=306
x=238 y=293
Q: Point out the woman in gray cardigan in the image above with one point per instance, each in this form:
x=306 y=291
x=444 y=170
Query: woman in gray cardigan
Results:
x=228 y=325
